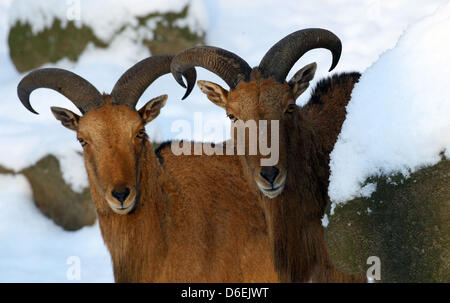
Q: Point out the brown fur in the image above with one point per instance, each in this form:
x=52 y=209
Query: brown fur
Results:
x=226 y=224
x=327 y=107
x=181 y=229
x=293 y=217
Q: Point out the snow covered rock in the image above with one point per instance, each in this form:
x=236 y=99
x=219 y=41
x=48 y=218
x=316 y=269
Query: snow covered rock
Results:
x=48 y=31
x=390 y=168
x=398 y=117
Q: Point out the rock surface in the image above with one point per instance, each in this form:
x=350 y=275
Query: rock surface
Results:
x=56 y=199
x=405 y=223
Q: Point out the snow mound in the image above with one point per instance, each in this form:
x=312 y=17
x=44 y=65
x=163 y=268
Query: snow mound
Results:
x=398 y=117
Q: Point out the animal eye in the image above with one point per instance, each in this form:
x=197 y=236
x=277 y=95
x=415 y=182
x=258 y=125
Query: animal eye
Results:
x=141 y=134
x=290 y=109
x=82 y=142
x=232 y=117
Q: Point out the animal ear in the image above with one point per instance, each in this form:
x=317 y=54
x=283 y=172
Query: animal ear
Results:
x=151 y=109
x=300 y=81
x=216 y=93
x=67 y=118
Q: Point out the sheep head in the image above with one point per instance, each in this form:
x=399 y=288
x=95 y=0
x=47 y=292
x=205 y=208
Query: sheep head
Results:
x=110 y=129
x=261 y=94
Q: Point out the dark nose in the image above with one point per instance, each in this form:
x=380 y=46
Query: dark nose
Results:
x=269 y=173
x=121 y=193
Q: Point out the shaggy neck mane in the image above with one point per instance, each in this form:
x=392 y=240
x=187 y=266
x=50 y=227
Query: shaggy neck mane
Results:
x=129 y=241
x=294 y=218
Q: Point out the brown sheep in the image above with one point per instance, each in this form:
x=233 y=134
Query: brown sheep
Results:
x=158 y=220
x=294 y=191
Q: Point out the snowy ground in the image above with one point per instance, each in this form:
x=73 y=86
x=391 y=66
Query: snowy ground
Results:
x=34 y=249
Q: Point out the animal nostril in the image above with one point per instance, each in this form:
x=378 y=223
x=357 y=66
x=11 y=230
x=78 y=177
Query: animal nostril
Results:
x=269 y=173
x=121 y=194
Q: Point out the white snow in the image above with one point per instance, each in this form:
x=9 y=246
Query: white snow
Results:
x=368 y=189
x=398 y=117
x=325 y=221
x=34 y=249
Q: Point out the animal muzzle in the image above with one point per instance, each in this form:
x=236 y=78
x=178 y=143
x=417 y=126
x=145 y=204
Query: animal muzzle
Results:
x=121 y=199
x=271 y=181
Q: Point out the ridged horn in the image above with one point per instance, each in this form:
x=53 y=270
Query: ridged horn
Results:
x=228 y=66
x=278 y=61
x=78 y=90
x=132 y=84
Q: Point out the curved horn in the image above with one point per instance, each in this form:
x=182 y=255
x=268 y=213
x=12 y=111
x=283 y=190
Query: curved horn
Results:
x=132 y=84
x=228 y=66
x=78 y=90
x=278 y=61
